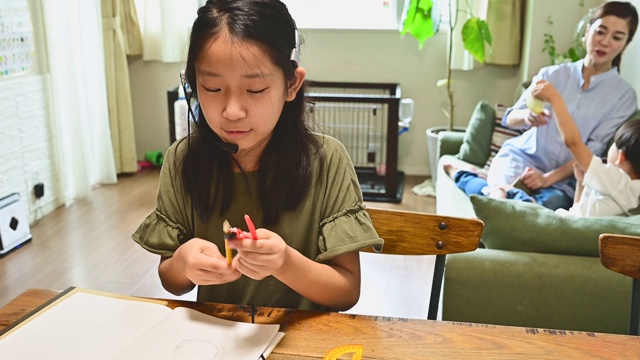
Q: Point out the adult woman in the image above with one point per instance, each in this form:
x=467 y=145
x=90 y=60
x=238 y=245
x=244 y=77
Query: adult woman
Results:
x=254 y=154
x=597 y=98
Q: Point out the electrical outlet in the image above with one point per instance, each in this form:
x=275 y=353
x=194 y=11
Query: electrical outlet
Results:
x=38 y=190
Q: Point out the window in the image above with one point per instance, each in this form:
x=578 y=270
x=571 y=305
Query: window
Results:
x=352 y=14
x=346 y=14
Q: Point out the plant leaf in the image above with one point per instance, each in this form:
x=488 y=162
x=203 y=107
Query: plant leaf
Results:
x=475 y=33
x=573 y=54
x=419 y=22
x=485 y=32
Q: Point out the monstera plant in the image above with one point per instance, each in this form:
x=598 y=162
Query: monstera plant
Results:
x=422 y=21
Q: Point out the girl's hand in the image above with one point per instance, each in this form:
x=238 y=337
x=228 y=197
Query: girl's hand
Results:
x=533 y=178
x=203 y=264
x=545 y=91
x=260 y=258
x=578 y=172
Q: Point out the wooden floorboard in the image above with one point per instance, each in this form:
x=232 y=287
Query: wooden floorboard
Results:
x=88 y=244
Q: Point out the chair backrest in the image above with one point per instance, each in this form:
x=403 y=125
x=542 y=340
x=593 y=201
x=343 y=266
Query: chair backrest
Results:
x=413 y=233
x=621 y=253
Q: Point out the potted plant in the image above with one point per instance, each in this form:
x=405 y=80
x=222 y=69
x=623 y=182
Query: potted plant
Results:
x=422 y=21
x=577 y=50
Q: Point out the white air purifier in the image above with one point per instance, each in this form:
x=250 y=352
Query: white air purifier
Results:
x=14 y=223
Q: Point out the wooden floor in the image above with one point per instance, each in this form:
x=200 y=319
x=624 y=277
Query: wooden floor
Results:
x=89 y=243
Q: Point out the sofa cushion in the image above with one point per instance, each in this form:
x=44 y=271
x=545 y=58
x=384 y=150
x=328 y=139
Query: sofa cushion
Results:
x=499 y=135
x=519 y=226
x=477 y=137
x=450 y=200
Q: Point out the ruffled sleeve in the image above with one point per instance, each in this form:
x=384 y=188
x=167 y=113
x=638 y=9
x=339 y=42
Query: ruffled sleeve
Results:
x=157 y=234
x=346 y=226
x=349 y=230
x=168 y=225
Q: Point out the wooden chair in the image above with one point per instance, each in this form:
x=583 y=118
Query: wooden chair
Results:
x=621 y=253
x=412 y=233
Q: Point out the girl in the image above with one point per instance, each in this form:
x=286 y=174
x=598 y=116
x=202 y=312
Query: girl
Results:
x=252 y=153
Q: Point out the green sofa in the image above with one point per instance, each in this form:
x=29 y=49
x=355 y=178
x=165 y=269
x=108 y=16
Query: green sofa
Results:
x=536 y=269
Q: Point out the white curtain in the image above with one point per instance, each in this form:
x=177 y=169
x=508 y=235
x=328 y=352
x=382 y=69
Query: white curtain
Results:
x=165 y=26
x=75 y=55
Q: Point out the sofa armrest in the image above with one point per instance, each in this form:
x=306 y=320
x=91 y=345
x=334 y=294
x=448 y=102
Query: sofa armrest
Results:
x=450 y=200
x=535 y=290
x=449 y=142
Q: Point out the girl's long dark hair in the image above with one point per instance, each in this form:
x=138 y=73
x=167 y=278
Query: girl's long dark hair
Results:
x=623 y=10
x=286 y=166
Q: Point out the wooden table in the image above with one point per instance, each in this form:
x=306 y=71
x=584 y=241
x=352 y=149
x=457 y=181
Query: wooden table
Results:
x=309 y=335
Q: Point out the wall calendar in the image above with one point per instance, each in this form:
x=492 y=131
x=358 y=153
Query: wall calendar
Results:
x=16 y=38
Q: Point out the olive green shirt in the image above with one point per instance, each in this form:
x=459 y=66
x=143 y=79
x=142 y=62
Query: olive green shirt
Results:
x=330 y=221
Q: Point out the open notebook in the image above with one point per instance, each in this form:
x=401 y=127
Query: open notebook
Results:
x=85 y=324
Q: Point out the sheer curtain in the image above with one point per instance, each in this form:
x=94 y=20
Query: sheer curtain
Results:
x=75 y=55
x=165 y=26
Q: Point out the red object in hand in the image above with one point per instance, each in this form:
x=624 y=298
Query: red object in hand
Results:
x=234 y=233
x=252 y=228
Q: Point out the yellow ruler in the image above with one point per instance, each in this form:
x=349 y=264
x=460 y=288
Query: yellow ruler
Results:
x=345 y=349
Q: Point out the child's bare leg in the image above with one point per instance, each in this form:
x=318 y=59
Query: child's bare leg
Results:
x=509 y=192
x=498 y=192
x=450 y=169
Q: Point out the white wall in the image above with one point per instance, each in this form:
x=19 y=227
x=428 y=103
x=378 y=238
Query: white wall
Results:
x=629 y=68
x=26 y=146
x=27 y=151
x=565 y=15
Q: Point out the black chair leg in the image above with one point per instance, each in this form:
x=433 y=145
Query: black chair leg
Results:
x=436 y=287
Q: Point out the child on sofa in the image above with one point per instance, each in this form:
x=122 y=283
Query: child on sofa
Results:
x=472 y=182
x=604 y=188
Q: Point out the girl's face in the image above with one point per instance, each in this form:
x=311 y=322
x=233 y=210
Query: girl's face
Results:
x=606 y=38
x=242 y=92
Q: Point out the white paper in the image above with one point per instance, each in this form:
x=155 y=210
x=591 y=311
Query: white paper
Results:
x=272 y=345
x=83 y=326
x=93 y=327
x=187 y=334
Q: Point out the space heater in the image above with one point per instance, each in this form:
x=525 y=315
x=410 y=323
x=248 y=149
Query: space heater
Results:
x=14 y=223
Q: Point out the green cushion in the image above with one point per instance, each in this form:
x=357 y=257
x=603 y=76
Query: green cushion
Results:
x=521 y=226
x=477 y=138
